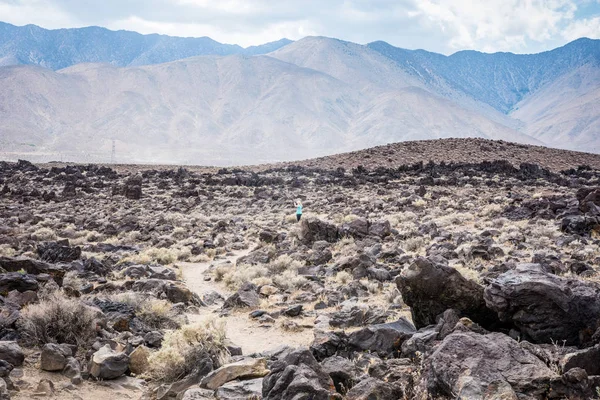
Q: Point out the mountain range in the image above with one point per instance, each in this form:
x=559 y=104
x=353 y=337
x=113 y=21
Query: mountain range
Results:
x=70 y=93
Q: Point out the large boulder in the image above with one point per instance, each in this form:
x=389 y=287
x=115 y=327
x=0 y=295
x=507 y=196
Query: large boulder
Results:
x=297 y=375
x=108 y=364
x=55 y=252
x=375 y=389
x=467 y=365
x=245 y=297
x=546 y=308
x=586 y=359
x=383 y=339
x=430 y=289
x=313 y=229
x=12 y=353
x=248 y=368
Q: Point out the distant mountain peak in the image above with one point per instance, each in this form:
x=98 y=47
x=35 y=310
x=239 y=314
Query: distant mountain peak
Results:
x=61 y=48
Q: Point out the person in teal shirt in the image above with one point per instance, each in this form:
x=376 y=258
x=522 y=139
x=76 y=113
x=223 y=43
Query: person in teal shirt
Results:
x=298 y=205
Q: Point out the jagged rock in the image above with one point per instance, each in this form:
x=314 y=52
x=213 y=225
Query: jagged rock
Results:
x=358 y=264
x=374 y=389
x=108 y=364
x=73 y=370
x=293 y=311
x=357 y=316
x=251 y=389
x=153 y=339
x=381 y=229
x=430 y=289
x=342 y=371
x=587 y=359
x=96 y=267
x=313 y=229
x=12 y=353
x=54 y=356
x=245 y=297
x=16 y=281
x=358 y=229
x=33 y=267
x=5 y=368
x=297 y=375
x=579 y=224
x=546 y=308
x=248 y=368
x=468 y=365
x=383 y=339
x=55 y=252
x=328 y=343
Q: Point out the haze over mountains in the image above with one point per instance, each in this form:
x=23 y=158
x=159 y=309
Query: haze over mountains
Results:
x=316 y=96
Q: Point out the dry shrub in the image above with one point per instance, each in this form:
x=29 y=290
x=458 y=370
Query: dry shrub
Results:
x=183 y=350
x=58 y=319
x=288 y=280
x=157 y=314
x=284 y=263
x=44 y=234
x=343 y=277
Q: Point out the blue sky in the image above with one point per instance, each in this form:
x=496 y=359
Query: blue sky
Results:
x=445 y=26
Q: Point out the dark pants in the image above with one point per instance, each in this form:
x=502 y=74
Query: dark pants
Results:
x=298 y=216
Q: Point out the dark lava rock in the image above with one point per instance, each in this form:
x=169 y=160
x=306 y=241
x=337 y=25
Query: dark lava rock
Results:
x=430 y=289
x=468 y=365
x=298 y=375
x=245 y=297
x=313 y=229
x=544 y=307
x=383 y=339
x=55 y=252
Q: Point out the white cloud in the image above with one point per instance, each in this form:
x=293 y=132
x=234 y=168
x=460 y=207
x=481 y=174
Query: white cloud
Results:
x=437 y=25
x=589 y=27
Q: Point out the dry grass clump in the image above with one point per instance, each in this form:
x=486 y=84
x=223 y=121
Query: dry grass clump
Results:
x=44 y=234
x=183 y=349
x=164 y=256
x=288 y=280
x=58 y=319
x=343 y=277
x=7 y=250
x=157 y=314
x=413 y=244
x=284 y=263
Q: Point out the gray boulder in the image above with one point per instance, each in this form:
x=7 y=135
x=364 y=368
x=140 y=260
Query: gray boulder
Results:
x=313 y=230
x=297 y=375
x=54 y=356
x=586 y=359
x=12 y=353
x=383 y=339
x=245 y=297
x=374 y=389
x=430 y=289
x=545 y=308
x=467 y=365
x=250 y=389
x=108 y=364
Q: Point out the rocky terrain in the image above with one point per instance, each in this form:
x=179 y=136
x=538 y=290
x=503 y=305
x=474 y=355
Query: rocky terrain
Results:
x=471 y=279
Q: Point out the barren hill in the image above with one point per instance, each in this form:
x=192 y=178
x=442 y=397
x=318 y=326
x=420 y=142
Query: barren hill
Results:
x=469 y=150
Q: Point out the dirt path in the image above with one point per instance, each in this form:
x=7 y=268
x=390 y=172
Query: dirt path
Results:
x=250 y=335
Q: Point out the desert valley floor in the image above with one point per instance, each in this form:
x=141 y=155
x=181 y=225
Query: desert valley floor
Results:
x=459 y=268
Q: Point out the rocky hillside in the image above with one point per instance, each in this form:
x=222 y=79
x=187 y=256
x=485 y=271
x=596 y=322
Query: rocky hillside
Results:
x=62 y=48
x=474 y=280
x=454 y=151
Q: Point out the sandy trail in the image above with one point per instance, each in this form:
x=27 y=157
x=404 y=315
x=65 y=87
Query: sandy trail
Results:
x=250 y=335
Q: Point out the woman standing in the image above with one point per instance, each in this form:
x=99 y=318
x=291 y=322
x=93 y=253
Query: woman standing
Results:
x=298 y=205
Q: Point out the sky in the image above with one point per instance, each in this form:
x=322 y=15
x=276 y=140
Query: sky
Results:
x=444 y=26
